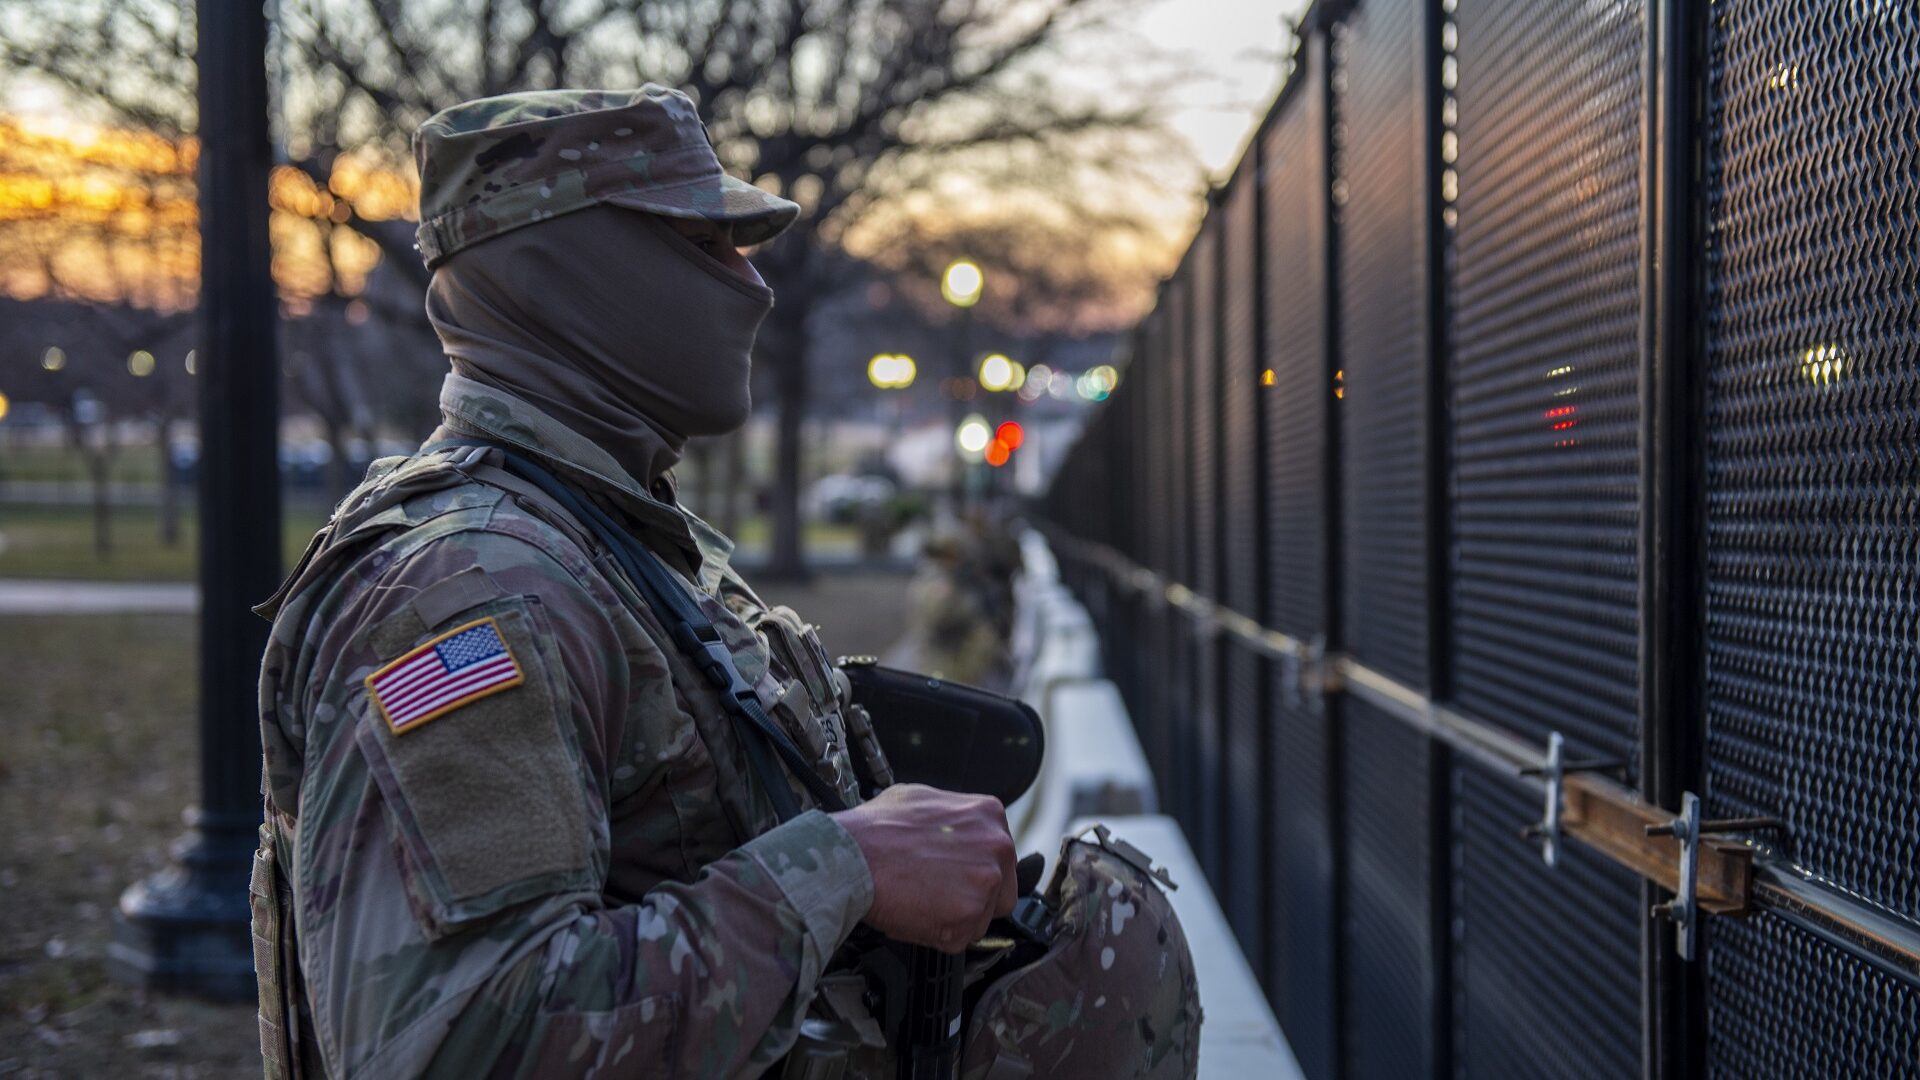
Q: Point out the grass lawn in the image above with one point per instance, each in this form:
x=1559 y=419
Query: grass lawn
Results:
x=56 y=541
x=131 y=464
x=94 y=773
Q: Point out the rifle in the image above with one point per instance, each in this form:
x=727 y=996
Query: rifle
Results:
x=958 y=738
x=920 y=991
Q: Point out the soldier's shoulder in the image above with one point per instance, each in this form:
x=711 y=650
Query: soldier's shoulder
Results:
x=421 y=518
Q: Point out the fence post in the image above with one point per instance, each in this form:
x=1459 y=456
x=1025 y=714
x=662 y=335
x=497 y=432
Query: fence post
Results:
x=1437 y=237
x=1672 y=486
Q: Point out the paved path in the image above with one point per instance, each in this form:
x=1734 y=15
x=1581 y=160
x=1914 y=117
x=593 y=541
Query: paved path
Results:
x=98 y=597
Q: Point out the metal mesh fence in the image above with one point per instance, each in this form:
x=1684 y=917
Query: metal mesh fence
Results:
x=1541 y=983
x=1181 y=651
x=1812 y=342
x=1204 y=368
x=1383 y=333
x=1545 y=475
x=1546 y=360
x=1244 y=738
x=1419 y=396
x=1163 y=522
x=1378 y=389
x=1390 y=985
x=1300 y=954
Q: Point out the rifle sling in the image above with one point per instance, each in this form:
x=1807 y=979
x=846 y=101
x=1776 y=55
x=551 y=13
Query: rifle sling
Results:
x=692 y=632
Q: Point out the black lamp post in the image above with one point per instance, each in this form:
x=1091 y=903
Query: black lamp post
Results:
x=185 y=928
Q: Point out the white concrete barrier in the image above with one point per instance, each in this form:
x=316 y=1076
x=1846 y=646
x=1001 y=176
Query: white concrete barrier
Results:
x=1036 y=558
x=1094 y=764
x=1095 y=771
x=1239 y=1037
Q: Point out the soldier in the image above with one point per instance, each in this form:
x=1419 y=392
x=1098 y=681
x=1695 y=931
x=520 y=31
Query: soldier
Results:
x=512 y=829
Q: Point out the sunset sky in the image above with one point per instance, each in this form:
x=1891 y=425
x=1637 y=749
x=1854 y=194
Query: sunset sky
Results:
x=1236 y=41
x=1234 y=45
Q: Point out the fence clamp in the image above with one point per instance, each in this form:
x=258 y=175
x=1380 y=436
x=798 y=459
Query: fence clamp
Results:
x=1547 y=829
x=1684 y=909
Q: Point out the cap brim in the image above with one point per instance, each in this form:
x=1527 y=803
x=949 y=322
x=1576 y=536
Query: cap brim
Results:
x=756 y=216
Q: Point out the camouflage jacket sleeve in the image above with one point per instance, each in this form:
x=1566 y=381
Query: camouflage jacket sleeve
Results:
x=450 y=863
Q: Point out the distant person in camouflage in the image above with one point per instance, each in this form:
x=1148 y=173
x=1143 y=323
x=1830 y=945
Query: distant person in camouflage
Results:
x=511 y=830
x=950 y=622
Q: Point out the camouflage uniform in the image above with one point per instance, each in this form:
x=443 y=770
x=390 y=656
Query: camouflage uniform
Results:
x=573 y=871
x=579 y=856
x=506 y=162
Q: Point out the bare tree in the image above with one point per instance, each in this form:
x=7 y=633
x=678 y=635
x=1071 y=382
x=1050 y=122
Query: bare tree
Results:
x=853 y=108
x=108 y=227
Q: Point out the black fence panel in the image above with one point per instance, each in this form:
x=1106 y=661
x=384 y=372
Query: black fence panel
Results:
x=1541 y=984
x=1812 y=346
x=1383 y=337
x=1546 y=356
x=1203 y=327
x=1786 y=1004
x=1390 y=976
x=1178 y=787
x=1152 y=373
x=1242 y=889
x=1546 y=361
x=1301 y=946
x=1239 y=394
x=1379 y=390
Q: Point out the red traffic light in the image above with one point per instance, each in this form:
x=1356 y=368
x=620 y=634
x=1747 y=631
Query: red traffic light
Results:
x=1010 y=433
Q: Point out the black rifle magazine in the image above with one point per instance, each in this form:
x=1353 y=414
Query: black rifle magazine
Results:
x=947 y=735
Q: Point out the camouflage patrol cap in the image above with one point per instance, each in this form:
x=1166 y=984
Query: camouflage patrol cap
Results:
x=496 y=164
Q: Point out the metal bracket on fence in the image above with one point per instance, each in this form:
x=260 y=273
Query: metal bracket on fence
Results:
x=1684 y=908
x=1318 y=675
x=1547 y=829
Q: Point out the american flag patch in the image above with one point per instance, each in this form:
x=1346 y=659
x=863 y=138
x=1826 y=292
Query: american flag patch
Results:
x=457 y=668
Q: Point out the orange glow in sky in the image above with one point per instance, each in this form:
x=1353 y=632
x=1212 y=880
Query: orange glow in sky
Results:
x=108 y=214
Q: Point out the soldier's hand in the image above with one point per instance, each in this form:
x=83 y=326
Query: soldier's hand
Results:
x=942 y=863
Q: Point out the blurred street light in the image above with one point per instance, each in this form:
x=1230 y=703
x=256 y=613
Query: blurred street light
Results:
x=1010 y=433
x=973 y=436
x=997 y=373
x=3 y=406
x=54 y=358
x=1097 y=383
x=140 y=363
x=962 y=283
x=891 y=371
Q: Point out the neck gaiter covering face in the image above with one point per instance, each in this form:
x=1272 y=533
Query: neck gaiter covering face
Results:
x=610 y=322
